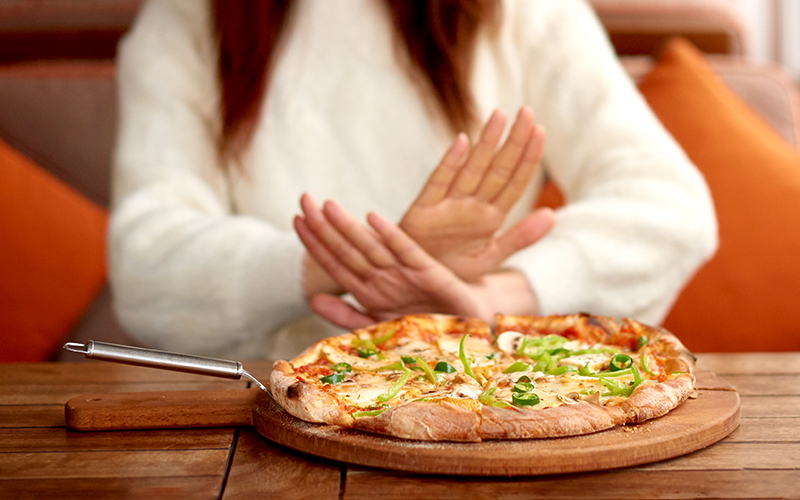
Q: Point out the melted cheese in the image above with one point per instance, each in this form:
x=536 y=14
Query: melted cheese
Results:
x=416 y=348
x=369 y=379
x=596 y=362
x=363 y=395
x=449 y=345
x=473 y=347
x=362 y=389
x=462 y=391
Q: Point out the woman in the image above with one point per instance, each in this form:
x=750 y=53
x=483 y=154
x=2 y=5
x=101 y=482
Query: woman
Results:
x=203 y=256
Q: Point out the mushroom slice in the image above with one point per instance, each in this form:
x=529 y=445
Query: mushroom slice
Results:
x=594 y=398
x=509 y=341
x=566 y=400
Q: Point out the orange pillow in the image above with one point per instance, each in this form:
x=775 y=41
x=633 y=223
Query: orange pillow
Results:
x=746 y=297
x=52 y=258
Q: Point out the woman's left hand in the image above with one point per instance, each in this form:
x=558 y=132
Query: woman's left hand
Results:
x=456 y=217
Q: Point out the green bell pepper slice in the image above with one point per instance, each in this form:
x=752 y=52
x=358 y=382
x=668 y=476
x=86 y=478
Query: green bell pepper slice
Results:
x=463 y=356
x=525 y=399
x=487 y=398
x=395 y=389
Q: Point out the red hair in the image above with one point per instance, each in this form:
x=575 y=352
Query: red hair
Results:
x=438 y=36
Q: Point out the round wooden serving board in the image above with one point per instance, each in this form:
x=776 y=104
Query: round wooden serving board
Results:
x=695 y=424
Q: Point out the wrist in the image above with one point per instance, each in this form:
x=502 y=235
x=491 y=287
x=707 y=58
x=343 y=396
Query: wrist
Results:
x=316 y=280
x=508 y=292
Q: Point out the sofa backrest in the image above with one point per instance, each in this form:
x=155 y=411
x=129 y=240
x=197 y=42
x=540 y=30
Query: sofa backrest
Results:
x=62 y=115
x=641 y=27
x=63 y=29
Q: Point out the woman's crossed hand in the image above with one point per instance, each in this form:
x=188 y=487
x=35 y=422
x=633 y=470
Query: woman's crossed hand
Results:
x=457 y=215
x=385 y=270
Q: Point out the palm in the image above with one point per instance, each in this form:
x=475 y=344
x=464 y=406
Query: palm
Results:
x=458 y=214
x=460 y=233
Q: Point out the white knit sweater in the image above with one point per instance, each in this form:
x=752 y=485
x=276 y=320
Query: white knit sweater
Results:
x=208 y=263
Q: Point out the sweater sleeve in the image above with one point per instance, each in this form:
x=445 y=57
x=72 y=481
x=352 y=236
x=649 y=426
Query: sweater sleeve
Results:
x=187 y=273
x=638 y=219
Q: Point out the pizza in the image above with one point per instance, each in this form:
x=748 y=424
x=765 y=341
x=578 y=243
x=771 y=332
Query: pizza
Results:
x=447 y=378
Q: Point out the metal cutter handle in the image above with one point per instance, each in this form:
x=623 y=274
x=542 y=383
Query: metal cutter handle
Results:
x=164 y=360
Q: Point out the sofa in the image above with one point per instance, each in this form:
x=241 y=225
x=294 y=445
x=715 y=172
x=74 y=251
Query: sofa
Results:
x=57 y=126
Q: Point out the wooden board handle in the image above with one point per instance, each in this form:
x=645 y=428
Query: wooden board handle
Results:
x=161 y=410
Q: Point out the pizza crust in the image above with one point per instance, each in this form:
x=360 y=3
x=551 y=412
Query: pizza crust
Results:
x=559 y=421
x=426 y=421
x=445 y=421
x=654 y=399
x=303 y=400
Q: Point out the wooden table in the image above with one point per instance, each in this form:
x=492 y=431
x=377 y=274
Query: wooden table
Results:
x=40 y=458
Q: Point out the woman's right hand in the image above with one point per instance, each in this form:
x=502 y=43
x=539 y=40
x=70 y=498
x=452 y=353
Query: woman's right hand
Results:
x=456 y=217
x=385 y=270
x=316 y=280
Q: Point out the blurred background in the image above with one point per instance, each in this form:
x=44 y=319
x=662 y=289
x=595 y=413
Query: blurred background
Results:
x=776 y=31
x=57 y=126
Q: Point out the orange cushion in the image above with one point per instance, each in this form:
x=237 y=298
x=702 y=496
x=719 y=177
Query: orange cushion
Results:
x=746 y=297
x=52 y=258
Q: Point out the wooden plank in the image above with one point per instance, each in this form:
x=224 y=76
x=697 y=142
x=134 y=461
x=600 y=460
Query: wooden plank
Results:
x=750 y=363
x=113 y=464
x=710 y=381
x=61 y=393
x=765 y=385
x=32 y=416
x=770 y=406
x=130 y=488
x=766 y=430
x=366 y=484
x=60 y=439
x=736 y=456
x=162 y=410
x=262 y=469
x=95 y=372
x=87 y=373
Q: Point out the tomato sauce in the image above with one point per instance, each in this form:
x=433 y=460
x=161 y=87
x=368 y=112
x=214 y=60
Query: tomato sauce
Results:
x=320 y=368
x=348 y=349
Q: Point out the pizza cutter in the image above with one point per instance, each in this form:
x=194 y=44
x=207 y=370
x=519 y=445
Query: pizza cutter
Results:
x=164 y=360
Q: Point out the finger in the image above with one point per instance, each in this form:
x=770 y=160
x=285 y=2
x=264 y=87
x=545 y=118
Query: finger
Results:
x=404 y=249
x=441 y=179
x=524 y=173
x=436 y=280
x=471 y=174
x=360 y=237
x=332 y=240
x=526 y=232
x=509 y=158
x=338 y=270
x=339 y=312
x=314 y=216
